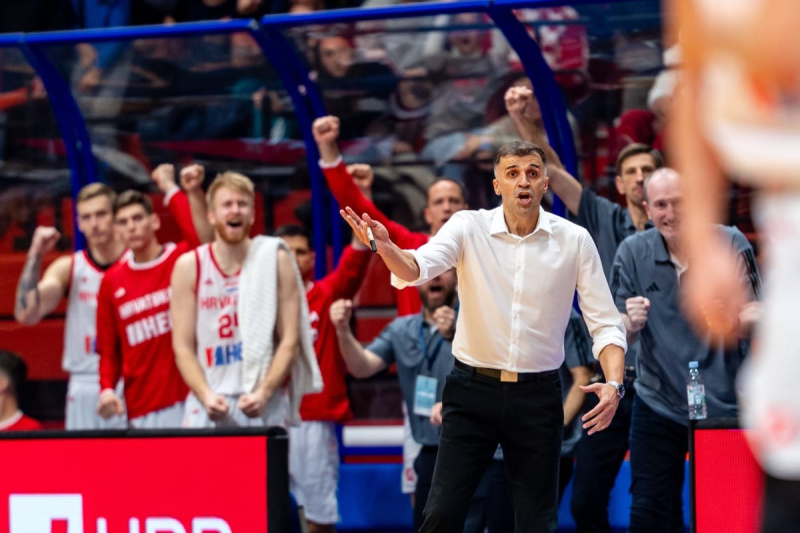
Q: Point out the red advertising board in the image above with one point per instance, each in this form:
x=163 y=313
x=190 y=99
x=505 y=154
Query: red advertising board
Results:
x=728 y=483
x=141 y=484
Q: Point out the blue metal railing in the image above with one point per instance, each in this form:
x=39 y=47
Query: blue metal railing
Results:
x=294 y=75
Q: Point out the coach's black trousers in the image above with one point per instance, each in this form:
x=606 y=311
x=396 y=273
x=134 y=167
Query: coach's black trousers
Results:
x=526 y=419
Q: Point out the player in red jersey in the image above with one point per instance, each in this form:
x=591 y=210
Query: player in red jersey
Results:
x=205 y=302
x=13 y=372
x=75 y=277
x=313 y=448
x=134 y=328
x=445 y=197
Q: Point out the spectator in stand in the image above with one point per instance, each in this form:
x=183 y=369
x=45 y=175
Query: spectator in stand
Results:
x=647 y=126
x=134 y=329
x=313 y=452
x=346 y=79
x=462 y=77
x=445 y=197
x=421 y=347
x=13 y=373
x=647 y=274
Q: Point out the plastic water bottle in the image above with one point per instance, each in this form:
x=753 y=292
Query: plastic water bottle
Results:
x=696 y=393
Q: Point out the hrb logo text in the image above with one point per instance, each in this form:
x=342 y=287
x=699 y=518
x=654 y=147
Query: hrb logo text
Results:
x=63 y=513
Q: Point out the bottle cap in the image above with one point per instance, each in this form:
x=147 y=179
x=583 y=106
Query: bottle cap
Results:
x=693 y=364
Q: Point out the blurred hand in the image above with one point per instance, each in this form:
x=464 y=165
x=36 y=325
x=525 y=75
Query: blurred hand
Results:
x=436 y=414
x=637 y=309
x=521 y=105
x=714 y=292
x=252 y=405
x=87 y=55
x=363 y=176
x=110 y=404
x=216 y=406
x=326 y=129
x=445 y=319
x=89 y=82
x=340 y=312
x=164 y=177
x=45 y=239
x=247 y=7
x=192 y=177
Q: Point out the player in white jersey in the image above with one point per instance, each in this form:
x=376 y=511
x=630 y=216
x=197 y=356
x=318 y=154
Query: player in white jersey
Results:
x=76 y=276
x=205 y=335
x=738 y=112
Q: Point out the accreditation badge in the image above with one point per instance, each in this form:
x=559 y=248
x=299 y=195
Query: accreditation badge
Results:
x=425 y=395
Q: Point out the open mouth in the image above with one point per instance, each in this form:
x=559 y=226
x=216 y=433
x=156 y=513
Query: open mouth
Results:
x=435 y=290
x=525 y=198
x=234 y=223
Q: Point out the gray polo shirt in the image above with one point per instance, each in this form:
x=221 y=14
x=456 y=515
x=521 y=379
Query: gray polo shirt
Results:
x=608 y=223
x=401 y=342
x=643 y=267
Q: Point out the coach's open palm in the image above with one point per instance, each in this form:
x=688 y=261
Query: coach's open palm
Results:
x=359 y=225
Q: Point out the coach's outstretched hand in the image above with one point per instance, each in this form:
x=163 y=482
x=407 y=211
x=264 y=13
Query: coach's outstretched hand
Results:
x=359 y=226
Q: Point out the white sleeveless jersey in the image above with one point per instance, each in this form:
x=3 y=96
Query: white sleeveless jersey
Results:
x=80 y=355
x=219 y=344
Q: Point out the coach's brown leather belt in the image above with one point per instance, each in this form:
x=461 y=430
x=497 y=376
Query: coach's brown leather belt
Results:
x=506 y=375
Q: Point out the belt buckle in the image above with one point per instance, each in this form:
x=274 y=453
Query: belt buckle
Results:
x=509 y=376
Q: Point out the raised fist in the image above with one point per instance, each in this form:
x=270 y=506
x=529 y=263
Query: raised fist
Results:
x=45 y=239
x=164 y=177
x=192 y=177
x=341 y=311
x=326 y=129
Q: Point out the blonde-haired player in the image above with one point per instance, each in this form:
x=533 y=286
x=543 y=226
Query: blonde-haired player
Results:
x=206 y=336
x=76 y=277
x=738 y=113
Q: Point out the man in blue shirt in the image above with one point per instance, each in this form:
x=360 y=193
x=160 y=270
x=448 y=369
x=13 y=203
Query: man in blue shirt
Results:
x=646 y=279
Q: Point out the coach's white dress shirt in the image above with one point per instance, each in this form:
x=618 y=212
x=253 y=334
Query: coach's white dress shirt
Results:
x=516 y=292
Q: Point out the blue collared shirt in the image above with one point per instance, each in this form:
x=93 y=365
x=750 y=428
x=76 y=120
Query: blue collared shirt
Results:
x=399 y=342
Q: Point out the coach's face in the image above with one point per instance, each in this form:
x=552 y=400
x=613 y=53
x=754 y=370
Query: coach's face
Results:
x=136 y=226
x=521 y=182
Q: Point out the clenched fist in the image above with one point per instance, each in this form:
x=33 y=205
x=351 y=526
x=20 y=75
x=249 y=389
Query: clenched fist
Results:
x=341 y=311
x=192 y=177
x=637 y=308
x=164 y=177
x=45 y=239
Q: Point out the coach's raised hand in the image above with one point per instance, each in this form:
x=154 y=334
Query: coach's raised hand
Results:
x=400 y=262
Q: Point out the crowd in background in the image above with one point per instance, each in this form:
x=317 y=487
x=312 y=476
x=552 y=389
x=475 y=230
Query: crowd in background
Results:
x=427 y=110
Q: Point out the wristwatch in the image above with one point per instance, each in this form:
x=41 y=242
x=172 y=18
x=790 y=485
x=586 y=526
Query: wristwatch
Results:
x=619 y=386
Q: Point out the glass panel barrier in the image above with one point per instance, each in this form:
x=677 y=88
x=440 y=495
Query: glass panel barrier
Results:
x=34 y=174
x=209 y=99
